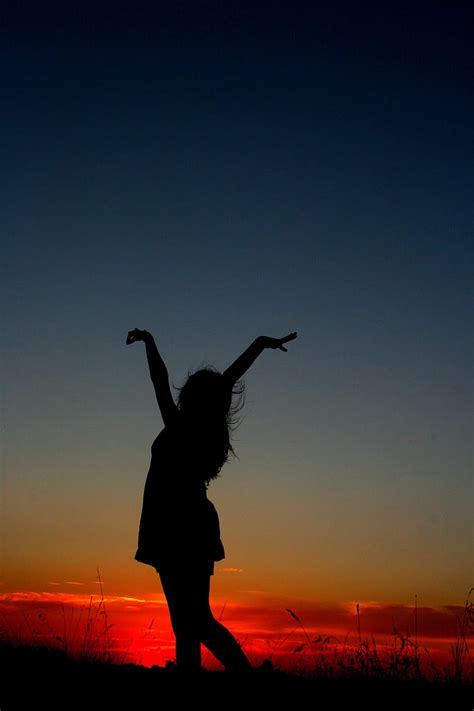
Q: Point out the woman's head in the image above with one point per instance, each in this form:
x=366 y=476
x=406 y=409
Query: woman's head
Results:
x=203 y=394
x=207 y=409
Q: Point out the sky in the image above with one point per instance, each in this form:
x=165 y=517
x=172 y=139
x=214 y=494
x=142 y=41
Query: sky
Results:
x=211 y=177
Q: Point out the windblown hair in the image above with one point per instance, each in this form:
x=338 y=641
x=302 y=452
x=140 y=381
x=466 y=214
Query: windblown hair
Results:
x=209 y=416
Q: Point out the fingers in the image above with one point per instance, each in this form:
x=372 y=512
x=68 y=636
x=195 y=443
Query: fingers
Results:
x=131 y=337
x=285 y=339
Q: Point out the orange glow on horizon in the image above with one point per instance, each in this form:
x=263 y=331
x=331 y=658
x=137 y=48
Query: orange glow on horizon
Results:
x=142 y=632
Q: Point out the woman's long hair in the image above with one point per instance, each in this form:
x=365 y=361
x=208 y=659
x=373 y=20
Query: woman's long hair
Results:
x=209 y=416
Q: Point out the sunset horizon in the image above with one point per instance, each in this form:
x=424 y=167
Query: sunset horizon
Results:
x=278 y=201
x=289 y=631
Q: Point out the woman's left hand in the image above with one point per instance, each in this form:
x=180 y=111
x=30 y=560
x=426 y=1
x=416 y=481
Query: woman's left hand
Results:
x=136 y=335
x=268 y=342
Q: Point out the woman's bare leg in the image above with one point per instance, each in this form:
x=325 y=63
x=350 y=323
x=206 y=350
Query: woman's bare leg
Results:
x=188 y=644
x=187 y=594
x=225 y=647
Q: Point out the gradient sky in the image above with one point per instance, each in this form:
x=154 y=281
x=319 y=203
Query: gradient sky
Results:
x=214 y=180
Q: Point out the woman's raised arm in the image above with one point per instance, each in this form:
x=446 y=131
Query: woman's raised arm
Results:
x=235 y=371
x=158 y=373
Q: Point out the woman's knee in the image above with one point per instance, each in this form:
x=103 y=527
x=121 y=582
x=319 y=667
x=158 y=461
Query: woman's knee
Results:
x=193 y=623
x=209 y=627
x=180 y=622
x=188 y=605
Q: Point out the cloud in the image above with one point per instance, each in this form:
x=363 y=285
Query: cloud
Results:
x=232 y=570
x=267 y=616
x=16 y=599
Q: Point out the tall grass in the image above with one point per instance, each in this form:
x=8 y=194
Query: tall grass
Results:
x=84 y=633
x=326 y=656
x=462 y=664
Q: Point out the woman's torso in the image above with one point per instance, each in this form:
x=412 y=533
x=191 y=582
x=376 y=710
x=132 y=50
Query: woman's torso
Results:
x=178 y=520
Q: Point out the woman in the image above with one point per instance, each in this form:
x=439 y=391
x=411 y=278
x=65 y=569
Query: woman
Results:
x=179 y=531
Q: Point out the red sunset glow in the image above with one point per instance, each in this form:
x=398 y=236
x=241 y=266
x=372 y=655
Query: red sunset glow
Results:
x=139 y=629
x=236 y=344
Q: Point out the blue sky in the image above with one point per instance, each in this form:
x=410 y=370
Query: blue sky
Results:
x=307 y=173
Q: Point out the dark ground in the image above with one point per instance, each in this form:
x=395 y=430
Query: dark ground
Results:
x=40 y=678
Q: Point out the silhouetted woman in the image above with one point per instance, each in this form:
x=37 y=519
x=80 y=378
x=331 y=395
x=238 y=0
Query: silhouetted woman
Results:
x=179 y=531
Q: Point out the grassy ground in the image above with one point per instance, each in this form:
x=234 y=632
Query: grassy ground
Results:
x=38 y=677
x=81 y=667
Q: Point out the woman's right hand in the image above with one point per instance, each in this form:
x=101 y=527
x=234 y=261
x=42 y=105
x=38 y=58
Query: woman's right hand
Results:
x=268 y=342
x=136 y=335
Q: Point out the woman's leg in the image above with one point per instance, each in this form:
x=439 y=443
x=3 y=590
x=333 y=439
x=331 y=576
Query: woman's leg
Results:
x=187 y=594
x=225 y=647
x=216 y=637
x=188 y=644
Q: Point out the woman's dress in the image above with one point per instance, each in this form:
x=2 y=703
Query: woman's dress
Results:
x=179 y=526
